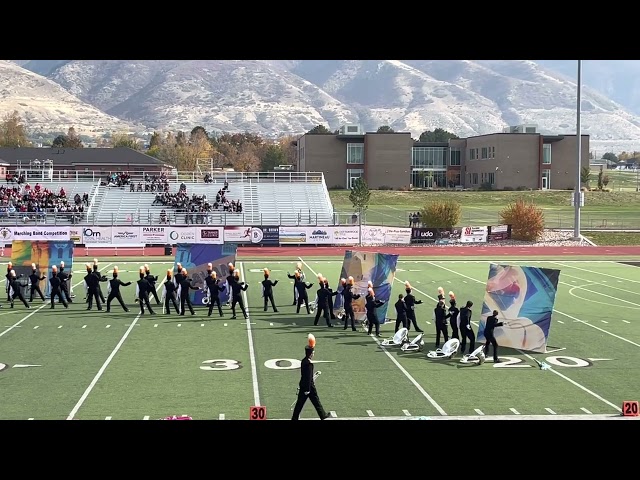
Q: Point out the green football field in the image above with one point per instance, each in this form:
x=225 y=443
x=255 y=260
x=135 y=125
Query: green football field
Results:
x=74 y=364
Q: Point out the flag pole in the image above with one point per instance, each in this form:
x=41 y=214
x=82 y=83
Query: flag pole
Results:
x=578 y=192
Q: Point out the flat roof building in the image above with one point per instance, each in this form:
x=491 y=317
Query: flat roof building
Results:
x=509 y=159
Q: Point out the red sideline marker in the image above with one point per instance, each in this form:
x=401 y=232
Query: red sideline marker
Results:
x=630 y=409
x=258 y=412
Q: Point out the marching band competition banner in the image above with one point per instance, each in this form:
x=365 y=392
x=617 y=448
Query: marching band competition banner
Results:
x=378 y=268
x=524 y=298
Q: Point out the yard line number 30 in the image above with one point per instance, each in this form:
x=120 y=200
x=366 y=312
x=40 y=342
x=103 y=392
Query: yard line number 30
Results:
x=292 y=363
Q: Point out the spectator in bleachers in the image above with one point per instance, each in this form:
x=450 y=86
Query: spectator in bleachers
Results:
x=119 y=179
x=196 y=207
x=33 y=203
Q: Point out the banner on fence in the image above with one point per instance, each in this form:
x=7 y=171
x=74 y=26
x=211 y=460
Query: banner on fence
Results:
x=292 y=235
x=499 y=232
x=182 y=235
x=151 y=235
x=97 y=236
x=373 y=235
x=240 y=234
x=75 y=234
x=34 y=233
x=474 y=234
x=397 y=235
x=346 y=235
x=424 y=235
x=268 y=236
x=210 y=235
x=126 y=236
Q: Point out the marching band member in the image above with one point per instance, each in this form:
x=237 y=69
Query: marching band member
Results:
x=92 y=284
x=267 y=291
x=440 y=293
x=401 y=313
x=453 y=315
x=169 y=294
x=100 y=277
x=410 y=301
x=307 y=387
x=349 y=297
x=492 y=323
x=64 y=278
x=152 y=281
x=331 y=295
x=213 y=284
x=185 y=298
x=15 y=291
x=237 y=287
x=35 y=280
x=113 y=290
x=298 y=272
x=440 y=313
x=8 y=280
x=230 y=279
x=56 y=288
x=371 y=305
x=302 y=287
x=177 y=278
x=142 y=292
x=323 y=298
x=465 y=328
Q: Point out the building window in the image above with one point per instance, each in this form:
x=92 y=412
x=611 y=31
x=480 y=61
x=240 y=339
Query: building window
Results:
x=492 y=153
x=428 y=178
x=546 y=179
x=429 y=157
x=355 y=153
x=485 y=152
x=454 y=159
x=352 y=175
x=475 y=179
x=472 y=154
x=546 y=153
x=491 y=178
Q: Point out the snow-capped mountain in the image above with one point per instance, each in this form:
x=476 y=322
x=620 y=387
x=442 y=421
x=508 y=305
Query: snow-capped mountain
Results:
x=278 y=97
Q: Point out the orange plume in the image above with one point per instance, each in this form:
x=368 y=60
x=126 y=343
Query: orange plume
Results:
x=311 y=340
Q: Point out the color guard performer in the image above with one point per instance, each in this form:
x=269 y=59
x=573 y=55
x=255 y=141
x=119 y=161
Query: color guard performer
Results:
x=323 y=299
x=306 y=386
x=267 y=291
x=302 y=287
x=440 y=317
x=56 y=288
x=177 y=278
x=401 y=313
x=15 y=291
x=100 y=277
x=230 y=279
x=331 y=295
x=152 y=279
x=492 y=323
x=371 y=305
x=453 y=316
x=185 y=298
x=142 y=292
x=298 y=272
x=213 y=284
x=35 y=280
x=465 y=328
x=113 y=291
x=410 y=301
x=64 y=278
x=237 y=287
x=91 y=284
x=349 y=297
x=169 y=294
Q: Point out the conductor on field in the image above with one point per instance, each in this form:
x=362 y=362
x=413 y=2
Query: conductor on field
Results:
x=307 y=387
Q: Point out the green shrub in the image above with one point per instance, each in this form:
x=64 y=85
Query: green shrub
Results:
x=441 y=214
x=525 y=218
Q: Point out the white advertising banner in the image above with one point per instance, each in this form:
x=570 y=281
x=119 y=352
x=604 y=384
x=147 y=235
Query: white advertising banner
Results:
x=373 y=235
x=154 y=234
x=319 y=235
x=239 y=234
x=34 y=233
x=291 y=235
x=181 y=235
x=210 y=235
x=345 y=235
x=126 y=236
x=397 y=236
x=97 y=236
x=474 y=234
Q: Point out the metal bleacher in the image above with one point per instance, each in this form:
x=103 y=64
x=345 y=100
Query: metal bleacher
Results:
x=294 y=204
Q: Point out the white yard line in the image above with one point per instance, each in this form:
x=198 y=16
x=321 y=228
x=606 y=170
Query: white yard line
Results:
x=397 y=364
x=553 y=370
x=252 y=353
x=17 y=324
x=93 y=383
x=598 y=273
x=608 y=286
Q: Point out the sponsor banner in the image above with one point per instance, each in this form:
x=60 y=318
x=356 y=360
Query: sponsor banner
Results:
x=210 y=235
x=34 y=234
x=97 y=236
x=320 y=235
x=154 y=234
x=75 y=234
x=240 y=234
x=398 y=236
x=449 y=234
x=424 y=235
x=499 y=232
x=269 y=236
x=181 y=235
x=292 y=235
x=346 y=235
x=373 y=235
x=474 y=234
x=126 y=236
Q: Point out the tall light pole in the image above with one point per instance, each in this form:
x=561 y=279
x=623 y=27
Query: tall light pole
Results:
x=577 y=192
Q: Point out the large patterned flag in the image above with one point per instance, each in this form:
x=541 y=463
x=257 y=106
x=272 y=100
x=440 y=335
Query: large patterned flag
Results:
x=44 y=254
x=379 y=268
x=524 y=298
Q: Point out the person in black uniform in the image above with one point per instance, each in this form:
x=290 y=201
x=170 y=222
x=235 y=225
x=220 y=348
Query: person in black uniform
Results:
x=322 y=305
x=331 y=295
x=297 y=273
x=237 y=287
x=185 y=298
x=113 y=290
x=401 y=313
x=142 y=292
x=371 y=305
x=64 y=279
x=169 y=294
x=152 y=279
x=92 y=282
x=15 y=291
x=307 y=387
x=410 y=301
x=8 y=280
x=230 y=279
x=452 y=314
x=465 y=328
x=100 y=277
x=302 y=288
x=56 y=288
x=177 y=278
x=267 y=290
x=35 y=280
x=492 y=323
x=440 y=314
x=213 y=284
x=349 y=297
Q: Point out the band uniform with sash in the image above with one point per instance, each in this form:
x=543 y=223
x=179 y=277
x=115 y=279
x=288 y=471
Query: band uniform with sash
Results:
x=267 y=290
x=307 y=386
x=113 y=291
x=35 y=278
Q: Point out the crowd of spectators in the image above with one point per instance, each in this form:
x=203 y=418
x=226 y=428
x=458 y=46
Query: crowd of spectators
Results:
x=34 y=203
x=117 y=180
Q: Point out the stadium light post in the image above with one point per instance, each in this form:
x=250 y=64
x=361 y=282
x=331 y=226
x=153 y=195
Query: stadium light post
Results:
x=578 y=192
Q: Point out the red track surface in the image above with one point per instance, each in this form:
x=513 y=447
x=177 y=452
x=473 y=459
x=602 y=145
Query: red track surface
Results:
x=445 y=251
